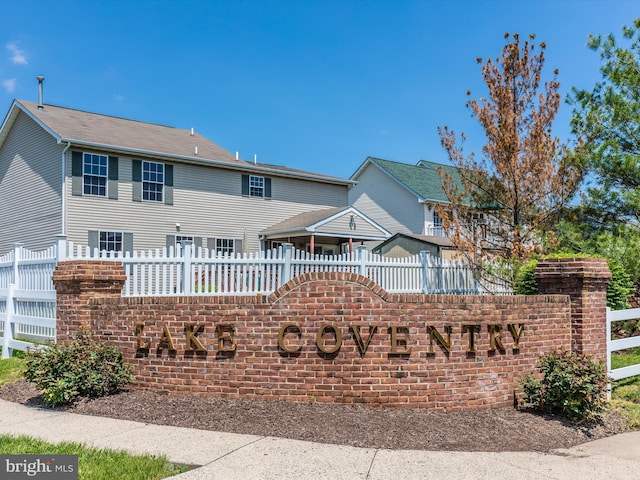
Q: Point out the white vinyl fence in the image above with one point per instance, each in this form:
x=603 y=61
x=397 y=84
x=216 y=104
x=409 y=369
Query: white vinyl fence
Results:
x=187 y=271
x=622 y=343
x=27 y=299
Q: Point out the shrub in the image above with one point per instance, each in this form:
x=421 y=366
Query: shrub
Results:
x=79 y=368
x=618 y=290
x=525 y=281
x=572 y=385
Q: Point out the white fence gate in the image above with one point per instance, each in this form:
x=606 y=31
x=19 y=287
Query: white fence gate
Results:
x=27 y=299
x=622 y=343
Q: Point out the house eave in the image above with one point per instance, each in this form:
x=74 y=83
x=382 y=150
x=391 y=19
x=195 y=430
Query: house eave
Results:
x=209 y=162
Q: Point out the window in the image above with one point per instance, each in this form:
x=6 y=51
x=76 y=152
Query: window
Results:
x=256 y=186
x=183 y=239
x=437 y=221
x=110 y=241
x=152 y=181
x=224 y=245
x=94 y=174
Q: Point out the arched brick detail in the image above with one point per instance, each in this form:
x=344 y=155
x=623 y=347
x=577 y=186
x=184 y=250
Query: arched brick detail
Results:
x=328 y=278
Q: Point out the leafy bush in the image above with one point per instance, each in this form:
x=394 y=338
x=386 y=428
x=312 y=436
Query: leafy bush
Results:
x=78 y=368
x=618 y=290
x=525 y=281
x=572 y=385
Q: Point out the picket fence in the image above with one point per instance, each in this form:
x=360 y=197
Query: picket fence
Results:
x=189 y=271
x=27 y=295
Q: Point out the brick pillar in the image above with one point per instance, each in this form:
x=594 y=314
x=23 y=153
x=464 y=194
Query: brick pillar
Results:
x=585 y=280
x=76 y=283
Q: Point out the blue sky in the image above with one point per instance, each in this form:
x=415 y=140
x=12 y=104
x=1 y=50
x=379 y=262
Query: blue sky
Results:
x=315 y=85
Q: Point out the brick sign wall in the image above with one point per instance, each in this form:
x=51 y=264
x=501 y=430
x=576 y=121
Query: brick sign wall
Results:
x=326 y=337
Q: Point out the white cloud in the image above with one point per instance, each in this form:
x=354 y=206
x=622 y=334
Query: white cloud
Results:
x=118 y=97
x=9 y=85
x=17 y=55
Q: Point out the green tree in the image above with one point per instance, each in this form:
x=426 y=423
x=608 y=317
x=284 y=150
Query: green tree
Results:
x=504 y=204
x=607 y=121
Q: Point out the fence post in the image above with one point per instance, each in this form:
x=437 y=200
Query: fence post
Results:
x=608 y=352
x=187 y=281
x=61 y=248
x=285 y=274
x=424 y=259
x=17 y=255
x=362 y=255
x=9 y=326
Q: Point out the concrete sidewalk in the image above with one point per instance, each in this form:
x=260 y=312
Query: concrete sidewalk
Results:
x=228 y=456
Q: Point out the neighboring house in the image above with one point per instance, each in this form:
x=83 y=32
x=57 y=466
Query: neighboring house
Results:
x=401 y=197
x=120 y=184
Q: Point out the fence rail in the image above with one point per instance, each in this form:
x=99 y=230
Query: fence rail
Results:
x=622 y=343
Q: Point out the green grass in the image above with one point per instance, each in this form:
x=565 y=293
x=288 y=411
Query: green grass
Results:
x=11 y=370
x=625 y=395
x=94 y=463
x=626 y=358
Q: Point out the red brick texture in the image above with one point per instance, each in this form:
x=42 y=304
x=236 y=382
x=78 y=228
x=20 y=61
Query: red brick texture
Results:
x=326 y=337
x=585 y=281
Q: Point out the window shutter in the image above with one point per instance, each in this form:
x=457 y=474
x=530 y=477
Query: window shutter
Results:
x=127 y=242
x=76 y=173
x=168 y=184
x=267 y=187
x=171 y=241
x=197 y=243
x=211 y=244
x=112 y=186
x=237 y=246
x=94 y=239
x=136 y=180
x=245 y=184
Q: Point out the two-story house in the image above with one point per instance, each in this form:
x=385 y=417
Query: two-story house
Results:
x=402 y=198
x=120 y=184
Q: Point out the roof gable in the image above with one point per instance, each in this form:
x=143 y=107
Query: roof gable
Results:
x=340 y=221
x=422 y=180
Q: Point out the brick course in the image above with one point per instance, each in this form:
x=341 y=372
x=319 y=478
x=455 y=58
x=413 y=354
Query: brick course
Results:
x=333 y=337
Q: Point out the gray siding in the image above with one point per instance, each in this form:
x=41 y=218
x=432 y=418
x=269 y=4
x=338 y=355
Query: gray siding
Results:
x=387 y=203
x=207 y=203
x=30 y=187
x=341 y=226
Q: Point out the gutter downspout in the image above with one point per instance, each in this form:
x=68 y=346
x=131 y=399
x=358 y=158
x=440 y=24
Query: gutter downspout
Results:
x=64 y=188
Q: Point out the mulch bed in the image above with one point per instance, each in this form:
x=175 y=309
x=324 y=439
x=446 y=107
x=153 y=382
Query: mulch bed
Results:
x=495 y=430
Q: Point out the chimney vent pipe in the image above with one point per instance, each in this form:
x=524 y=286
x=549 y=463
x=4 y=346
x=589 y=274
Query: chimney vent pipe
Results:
x=40 y=82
